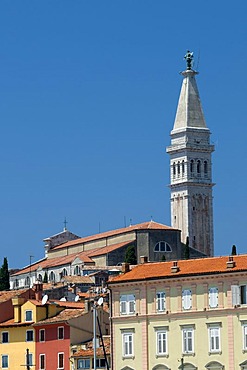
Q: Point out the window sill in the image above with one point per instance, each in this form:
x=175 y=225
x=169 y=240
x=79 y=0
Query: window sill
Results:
x=160 y=355
x=188 y=354
x=127 y=358
x=215 y=353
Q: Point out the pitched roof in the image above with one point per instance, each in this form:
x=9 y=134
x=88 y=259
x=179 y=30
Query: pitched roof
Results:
x=5 y=295
x=88 y=352
x=150 y=225
x=63 y=316
x=200 y=266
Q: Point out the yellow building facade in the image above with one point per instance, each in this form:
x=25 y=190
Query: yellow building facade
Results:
x=181 y=315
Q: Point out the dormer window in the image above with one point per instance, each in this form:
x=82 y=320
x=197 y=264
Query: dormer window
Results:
x=28 y=315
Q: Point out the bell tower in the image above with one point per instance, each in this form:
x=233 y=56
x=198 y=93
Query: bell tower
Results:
x=191 y=167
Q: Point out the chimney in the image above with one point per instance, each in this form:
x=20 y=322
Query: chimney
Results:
x=143 y=259
x=230 y=263
x=17 y=302
x=38 y=290
x=125 y=267
x=174 y=267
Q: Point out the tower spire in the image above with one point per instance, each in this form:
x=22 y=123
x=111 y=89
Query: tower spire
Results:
x=190 y=167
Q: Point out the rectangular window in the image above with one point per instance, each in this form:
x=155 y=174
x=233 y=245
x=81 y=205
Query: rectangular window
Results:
x=186 y=299
x=127 y=304
x=239 y=294
x=213 y=297
x=161 y=341
x=214 y=339
x=5 y=361
x=60 y=332
x=60 y=360
x=100 y=363
x=5 y=337
x=188 y=340
x=28 y=315
x=160 y=301
x=42 y=362
x=83 y=363
x=128 y=349
x=245 y=337
x=42 y=335
x=29 y=335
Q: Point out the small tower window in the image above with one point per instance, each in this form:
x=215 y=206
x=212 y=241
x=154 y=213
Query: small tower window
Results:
x=183 y=168
x=198 y=167
x=205 y=168
x=191 y=166
x=174 y=169
x=178 y=168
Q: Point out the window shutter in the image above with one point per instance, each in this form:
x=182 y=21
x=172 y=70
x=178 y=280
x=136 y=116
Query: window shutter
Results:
x=235 y=295
x=123 y=306
x=186 y=299
x=213 y=297
x=131 y=304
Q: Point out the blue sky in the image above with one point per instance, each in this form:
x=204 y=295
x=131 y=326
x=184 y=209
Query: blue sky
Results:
x=88 y=95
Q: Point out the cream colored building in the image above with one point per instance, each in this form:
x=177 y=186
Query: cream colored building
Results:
x=187 y=314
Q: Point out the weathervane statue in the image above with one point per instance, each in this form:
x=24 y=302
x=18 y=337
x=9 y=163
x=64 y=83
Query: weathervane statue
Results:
x=189 y=59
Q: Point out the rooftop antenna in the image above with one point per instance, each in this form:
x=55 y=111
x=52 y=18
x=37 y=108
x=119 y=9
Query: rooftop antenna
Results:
x=65 y=224
x=130 y=221
x=151 y=218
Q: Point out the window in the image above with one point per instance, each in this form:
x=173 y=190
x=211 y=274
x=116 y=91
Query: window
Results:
x=245 y=337
x=198 y=166
x=42 y=361
x=183 y=168
x=42 y=335
x=60 y=360
x=162 y=247
x=27 y=282
x=29 y=335
x=5 y=361
x=128 y=349
x=205 y=168
x=60 y=332
x=29 y=359
x=77 y=270
x=127 y=304
x=64 y=272
x=191 y=166
x=52 y=277
x=100 y=363
x=28 y=315
x=214 y=339
x=83 y=363
x=178 y=168
x=188 y=340
x=5 y=337
x=213 y=297
x=186 y=299
x=239 y=295
x=174 y=169
x=160 y=301
x=40 y=278
x=161 y=342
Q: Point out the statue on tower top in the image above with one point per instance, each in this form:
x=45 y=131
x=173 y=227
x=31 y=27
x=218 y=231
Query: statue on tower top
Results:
x=189 y=59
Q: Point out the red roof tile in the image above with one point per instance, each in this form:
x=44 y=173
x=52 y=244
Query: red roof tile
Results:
x=63 y=316
x=90 y=352
x=5 y=295
x=186 y=268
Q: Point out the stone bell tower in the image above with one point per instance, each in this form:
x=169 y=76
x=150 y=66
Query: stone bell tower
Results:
x=191 y=167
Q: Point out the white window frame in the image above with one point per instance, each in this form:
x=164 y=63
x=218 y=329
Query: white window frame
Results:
x=83 y=359
x=128 y=344
x=161 y=342
x=127 y=304
x=42 y=355
x=28 y=312
x=60 y=327
x=239 y=294
x=60 y=368
x=245 y=337
x=6 y=356
x=26 y=335
x=41 y=331
x=214 y=339
x=4 y=332
x=160 y=301
x=213 y=297
x=188 y=339
x=187 y=299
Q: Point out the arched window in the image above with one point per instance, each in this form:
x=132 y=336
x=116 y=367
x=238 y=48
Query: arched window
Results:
x=27 y=281
x=214 y=365
x=183 y=167
x=64 y=272
x=161 y=367
x=198 y=166
x=52 y=277
x=174 y=169
x=162 y=247
x=16 y=283
x=192 y=166
x=205 y=168
x=77 y=270
x=40 y=278
x=178 y=168
x=187 y=366
x=243 y=365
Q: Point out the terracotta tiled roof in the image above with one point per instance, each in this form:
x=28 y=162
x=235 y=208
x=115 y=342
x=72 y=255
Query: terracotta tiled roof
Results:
x=63 y=316
x=186 y=268
x=5 y=295
x=107 y=249
x=78 y=279
x=12 y=323
x=142 y=226
x=90 y=352
x=68 y=304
